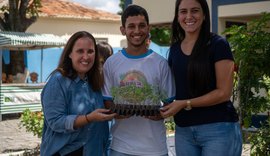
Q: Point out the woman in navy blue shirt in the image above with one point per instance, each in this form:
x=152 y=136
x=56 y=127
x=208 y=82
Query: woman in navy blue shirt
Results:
x=75 y=121
x=202 y=63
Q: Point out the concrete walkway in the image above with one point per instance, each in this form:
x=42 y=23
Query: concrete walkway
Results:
x=14 y=140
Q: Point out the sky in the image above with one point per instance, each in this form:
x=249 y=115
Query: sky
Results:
x=106 y=5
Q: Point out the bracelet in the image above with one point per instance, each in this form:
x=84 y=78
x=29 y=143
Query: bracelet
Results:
x=86 y=118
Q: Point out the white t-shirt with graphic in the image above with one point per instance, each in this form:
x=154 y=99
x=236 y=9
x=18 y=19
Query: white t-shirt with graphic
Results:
x=137 y=135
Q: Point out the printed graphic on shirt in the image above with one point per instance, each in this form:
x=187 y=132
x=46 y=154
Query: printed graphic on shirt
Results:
x=135 y=90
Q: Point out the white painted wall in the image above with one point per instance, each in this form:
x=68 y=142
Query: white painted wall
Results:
x=243 y=12
x=159 y=11
x=64 y=26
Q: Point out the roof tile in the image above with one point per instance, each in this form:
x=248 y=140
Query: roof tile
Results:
x=68 y=9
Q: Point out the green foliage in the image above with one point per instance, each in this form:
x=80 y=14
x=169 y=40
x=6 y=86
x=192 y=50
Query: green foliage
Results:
x=170 y=124
x=161 y=36
x=260 y=141
x=33 y=122
x=251 y=47
x=34 y=8
x=122 y=6
x=137 y=95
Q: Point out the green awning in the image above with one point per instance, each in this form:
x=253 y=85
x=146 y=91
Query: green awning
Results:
x=23 y=41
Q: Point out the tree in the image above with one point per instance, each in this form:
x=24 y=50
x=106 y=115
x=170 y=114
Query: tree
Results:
x=18 y=15
x=161 y=35
x=122 y=6
x=251 y=48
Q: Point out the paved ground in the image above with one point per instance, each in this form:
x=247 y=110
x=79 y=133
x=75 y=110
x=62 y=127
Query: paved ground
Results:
x=14 y=139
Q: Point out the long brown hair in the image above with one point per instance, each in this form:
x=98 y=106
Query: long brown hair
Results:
x=94 y=75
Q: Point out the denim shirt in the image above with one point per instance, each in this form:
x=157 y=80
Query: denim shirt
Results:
x=63 y=100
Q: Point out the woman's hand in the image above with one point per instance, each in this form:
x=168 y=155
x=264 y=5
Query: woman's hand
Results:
x=96 y=115
x=100 y=115
x=172 y=108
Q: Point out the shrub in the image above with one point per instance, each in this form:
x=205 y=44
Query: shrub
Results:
x=251 y=48
x=260 y=141
x=33 y=122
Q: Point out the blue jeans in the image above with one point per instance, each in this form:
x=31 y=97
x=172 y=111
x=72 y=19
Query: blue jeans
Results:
x=107 y=148
x=215 y=139
x=115 y=153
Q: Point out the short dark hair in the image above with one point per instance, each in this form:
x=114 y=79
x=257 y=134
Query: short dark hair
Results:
x=134 y=10
x=95 y=77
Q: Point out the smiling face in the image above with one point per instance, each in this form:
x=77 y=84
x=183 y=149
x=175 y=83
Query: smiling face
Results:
x=190 y=16
x=136 y=30
x=83 y=56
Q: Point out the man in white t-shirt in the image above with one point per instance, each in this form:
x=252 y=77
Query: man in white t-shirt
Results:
x=137 y=75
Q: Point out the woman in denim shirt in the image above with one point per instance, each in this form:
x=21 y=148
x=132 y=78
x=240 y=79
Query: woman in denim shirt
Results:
x=75 y=119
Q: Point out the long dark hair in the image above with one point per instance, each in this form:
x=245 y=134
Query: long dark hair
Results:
x=199 y=63
x=94 y=75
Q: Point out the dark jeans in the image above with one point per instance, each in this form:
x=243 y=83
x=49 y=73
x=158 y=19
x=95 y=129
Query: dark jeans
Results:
x=78 y=152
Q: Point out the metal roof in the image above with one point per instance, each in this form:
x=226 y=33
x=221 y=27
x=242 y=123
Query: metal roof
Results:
x=21 y=40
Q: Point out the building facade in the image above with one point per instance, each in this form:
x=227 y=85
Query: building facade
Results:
x=223 y=12
x=63 y=18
